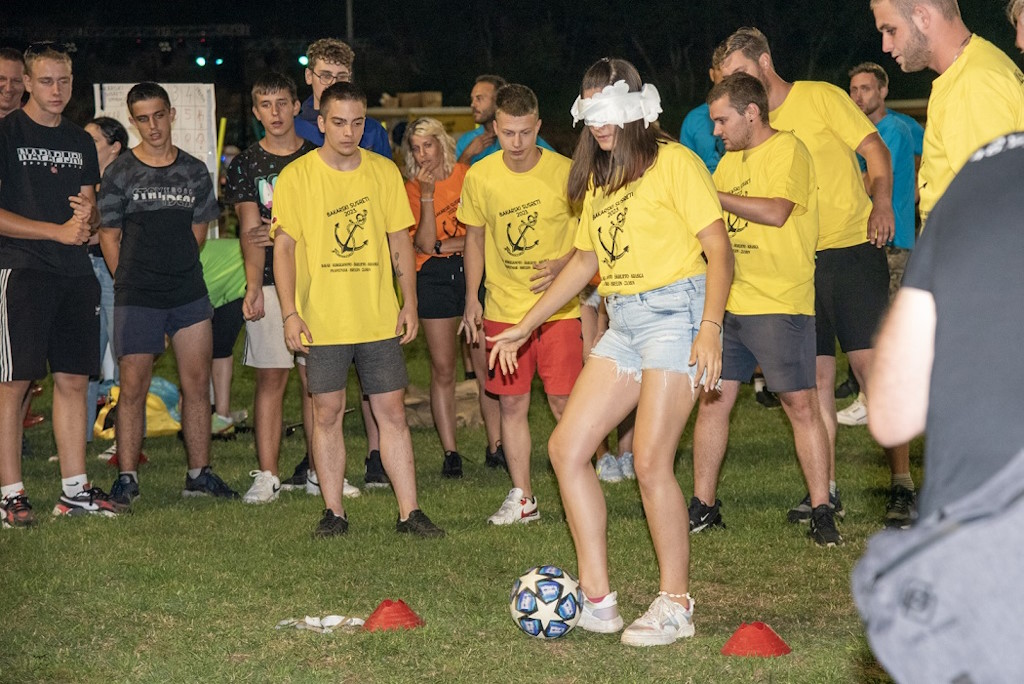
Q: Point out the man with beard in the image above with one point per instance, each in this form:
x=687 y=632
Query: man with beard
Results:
x=482 y=141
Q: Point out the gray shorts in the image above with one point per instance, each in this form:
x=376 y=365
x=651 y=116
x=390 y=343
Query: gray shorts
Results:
x=782 y=344
x=141 y=329
x=380 y=365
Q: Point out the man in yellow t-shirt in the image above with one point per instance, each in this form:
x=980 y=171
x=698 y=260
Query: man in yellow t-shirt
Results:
x=340 y=225
x=766 y=183
x=851 y=276
x=977 y=96
x=520 y=228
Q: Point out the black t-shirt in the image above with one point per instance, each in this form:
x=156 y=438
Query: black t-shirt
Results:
x=971 y=259
x=40 y=167
x=251 y=178
x=155 y=208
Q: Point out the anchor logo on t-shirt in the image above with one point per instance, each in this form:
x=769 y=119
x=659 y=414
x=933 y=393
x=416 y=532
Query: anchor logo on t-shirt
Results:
x=517 y=245
x=348 y=246
x=736 y=224
x=613 y=233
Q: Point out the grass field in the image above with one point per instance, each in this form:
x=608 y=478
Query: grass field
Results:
x=190 y=590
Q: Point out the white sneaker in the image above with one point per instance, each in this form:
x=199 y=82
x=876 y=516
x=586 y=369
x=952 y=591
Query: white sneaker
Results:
x=608 y=469
x=663 y=623
x=602 y=617
x=265 y=487
x=515 y=509
x=854 y=414
x=347 y=490
x=626 y=465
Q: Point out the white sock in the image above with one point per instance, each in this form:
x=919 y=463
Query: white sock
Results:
x=194 y=472
x=831 y=487
x=74 y=485
x=311 y=477
x=134 y=474
x=758 y=383
x=10 y=490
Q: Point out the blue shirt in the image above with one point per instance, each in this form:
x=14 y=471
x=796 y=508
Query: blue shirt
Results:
x=463 y=142
x=375 y=138
x=897 y=137
x=916 y=130
x=697 y=133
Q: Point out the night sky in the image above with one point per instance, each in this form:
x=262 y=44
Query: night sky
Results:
x=409 y=45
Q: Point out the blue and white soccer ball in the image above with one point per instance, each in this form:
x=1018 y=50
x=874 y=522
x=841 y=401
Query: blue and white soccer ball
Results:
x=546 y=602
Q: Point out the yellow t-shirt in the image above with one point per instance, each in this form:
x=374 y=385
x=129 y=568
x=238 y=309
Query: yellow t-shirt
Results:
x=774 y=272
x=526 y=219
x=645 y=235
x=340 y=221
x=827 y=121
x=977 y=99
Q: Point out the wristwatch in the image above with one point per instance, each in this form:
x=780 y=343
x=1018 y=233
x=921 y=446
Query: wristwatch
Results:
x=437 y=248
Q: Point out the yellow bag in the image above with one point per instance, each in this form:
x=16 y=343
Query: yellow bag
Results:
x=159 y=417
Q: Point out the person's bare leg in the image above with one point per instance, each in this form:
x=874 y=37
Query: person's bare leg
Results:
x=600 y=399
x=803 y=410
x=515 y=439
x=490 y=407
x=897 y=457
x=370 y=423
x=711 y=438
x=193 y=349
x=396 y=448
x=70 y=416
x=136 y=372
x=11 y=416
x=268 y=415
x=442 y=344
x=825 y=381
x=220 y=372
x=307 y=414
x=329 y=447
x=665 y=402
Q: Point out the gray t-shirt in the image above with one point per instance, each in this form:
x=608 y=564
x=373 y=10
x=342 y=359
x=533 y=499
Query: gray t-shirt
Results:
x=155 y=208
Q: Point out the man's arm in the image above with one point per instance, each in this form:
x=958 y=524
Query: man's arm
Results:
x=901 y=371
x=404 y=262
x=548 y=270
x=768 y=211
x=110 y=246
x=74 y=231
x=478 y=144
x=881 y=222
x=473 y=262
x=284 y=280
x=254 y=256
x=199 y=230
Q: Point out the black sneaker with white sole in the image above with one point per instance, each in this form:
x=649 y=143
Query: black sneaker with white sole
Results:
x=823 y=527
x=703 y=517
x=298 y=478
x=496 y=458
x=207 y=484
x=801 y=513
x=376 y=477
x=901 y=508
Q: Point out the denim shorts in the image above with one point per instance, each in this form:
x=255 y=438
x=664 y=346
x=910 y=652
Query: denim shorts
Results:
x=653 y=330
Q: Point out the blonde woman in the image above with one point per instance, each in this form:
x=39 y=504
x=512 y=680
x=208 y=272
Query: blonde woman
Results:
x=434 y=184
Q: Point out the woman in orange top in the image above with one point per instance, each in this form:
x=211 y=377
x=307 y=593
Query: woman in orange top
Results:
x=434 y=185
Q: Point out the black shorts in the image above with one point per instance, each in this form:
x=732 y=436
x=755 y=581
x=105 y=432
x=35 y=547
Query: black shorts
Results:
x=48 y=318
x=141 y=329
x=227 y=324
x=782 y=344
x=851 y=294
x=441 y=287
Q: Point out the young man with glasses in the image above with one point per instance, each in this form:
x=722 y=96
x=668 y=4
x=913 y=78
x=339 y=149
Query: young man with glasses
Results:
x=49 y=294
x=329 y=62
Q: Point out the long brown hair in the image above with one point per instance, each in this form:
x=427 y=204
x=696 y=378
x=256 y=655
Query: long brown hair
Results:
x=636 y=147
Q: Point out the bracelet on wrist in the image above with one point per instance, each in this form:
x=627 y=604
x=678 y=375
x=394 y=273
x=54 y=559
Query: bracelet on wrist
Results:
x=426 y=199
x=293 y=313
x=708 y=320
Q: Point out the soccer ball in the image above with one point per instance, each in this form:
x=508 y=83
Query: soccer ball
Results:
x=546 y=602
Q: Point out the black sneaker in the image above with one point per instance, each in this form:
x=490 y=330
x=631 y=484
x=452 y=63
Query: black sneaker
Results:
x=496 y=458
x=801 y=513
x=330 y=525
x=375 y=478
x=849 y=388
x=124 y=491
x=208 y=484
x=452 y=466
x=767 y=398
x=418 y=524
x=703 y=517
x=823 y=527
x=298 y=478
x=901 y=508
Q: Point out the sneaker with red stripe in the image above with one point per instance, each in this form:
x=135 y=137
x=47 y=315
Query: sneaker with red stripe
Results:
x=16 y=511
x=516 y=509
x=93 y=501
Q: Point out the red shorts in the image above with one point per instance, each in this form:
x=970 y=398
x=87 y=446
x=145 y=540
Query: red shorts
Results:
x=554 y=351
